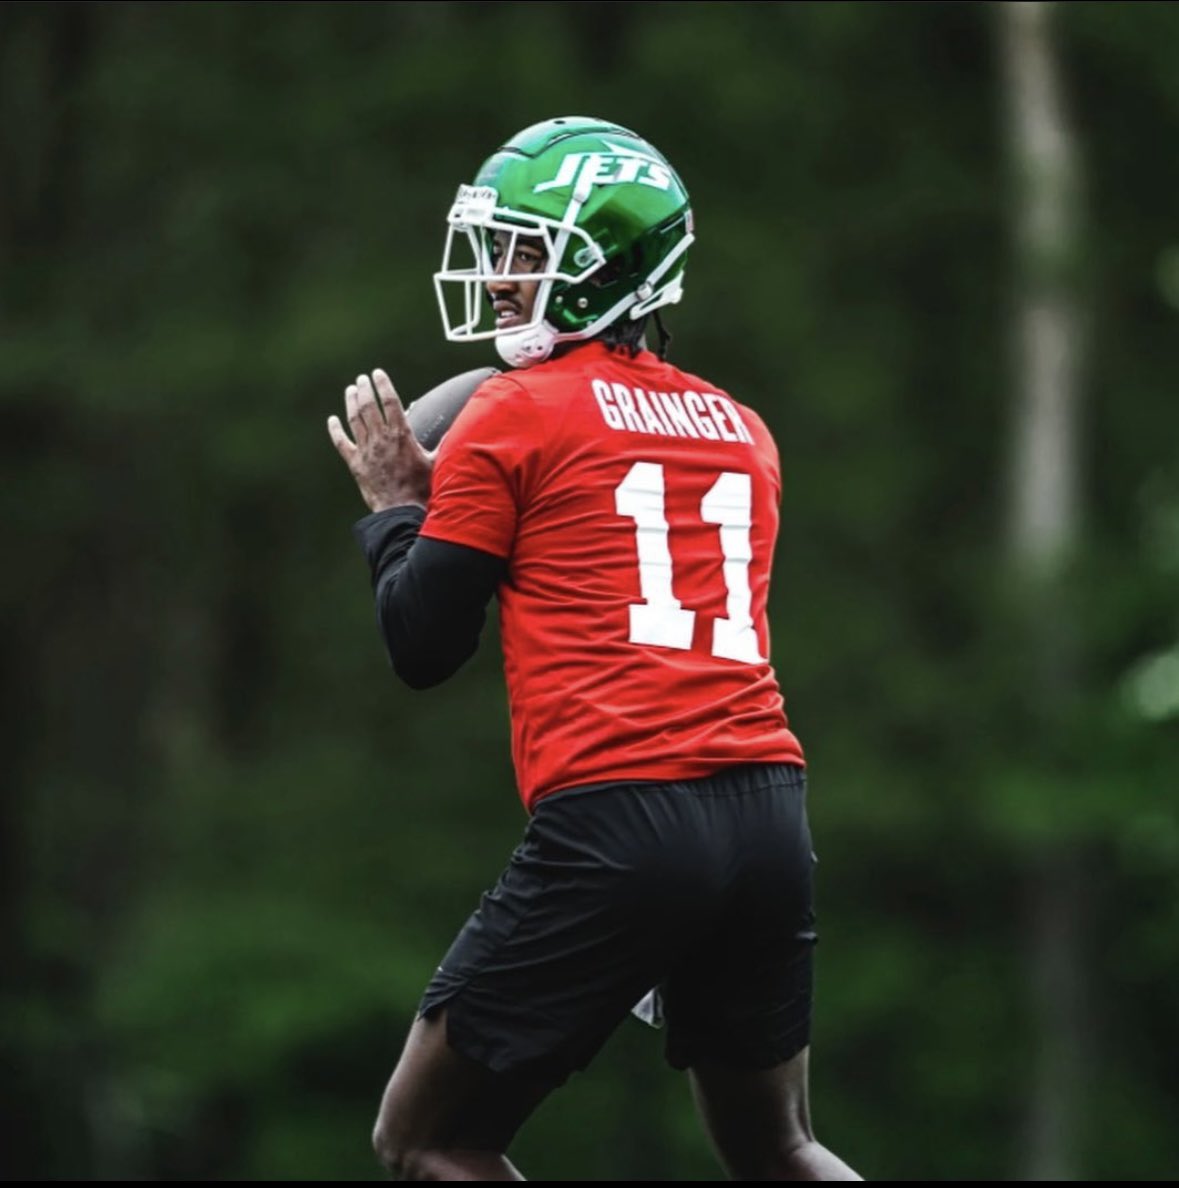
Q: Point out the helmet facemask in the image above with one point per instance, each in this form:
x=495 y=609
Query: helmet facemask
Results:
x=469 y=265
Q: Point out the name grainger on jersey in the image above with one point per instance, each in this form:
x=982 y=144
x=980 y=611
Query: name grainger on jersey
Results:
x=705 y=415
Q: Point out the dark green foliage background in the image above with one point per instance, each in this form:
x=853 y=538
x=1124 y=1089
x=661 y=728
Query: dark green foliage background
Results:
x=232 y=849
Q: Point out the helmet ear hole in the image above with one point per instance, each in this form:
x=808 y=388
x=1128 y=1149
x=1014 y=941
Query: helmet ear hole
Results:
x=609 y=273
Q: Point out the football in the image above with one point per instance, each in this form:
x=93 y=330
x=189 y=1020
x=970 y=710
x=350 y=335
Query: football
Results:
x=431 y=414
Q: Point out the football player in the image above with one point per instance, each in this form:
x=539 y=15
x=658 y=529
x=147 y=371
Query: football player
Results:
x=623 y=512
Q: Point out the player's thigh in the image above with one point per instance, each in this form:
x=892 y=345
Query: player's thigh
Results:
x=438 y=1099
x=741 y=996
x=594 y=907
x=754 y=1116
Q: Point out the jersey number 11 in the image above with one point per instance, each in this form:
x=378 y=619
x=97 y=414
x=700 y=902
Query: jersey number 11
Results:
x=661 y=619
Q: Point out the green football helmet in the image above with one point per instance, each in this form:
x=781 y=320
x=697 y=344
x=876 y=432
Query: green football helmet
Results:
x=609 y=213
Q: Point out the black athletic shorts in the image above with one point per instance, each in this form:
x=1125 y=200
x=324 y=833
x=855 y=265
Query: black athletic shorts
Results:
x=700 y=887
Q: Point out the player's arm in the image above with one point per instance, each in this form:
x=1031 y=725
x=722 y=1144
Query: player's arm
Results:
x=432 y=589
x=431 y=595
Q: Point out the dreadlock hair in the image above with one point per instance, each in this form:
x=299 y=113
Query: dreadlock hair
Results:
x=625 y=335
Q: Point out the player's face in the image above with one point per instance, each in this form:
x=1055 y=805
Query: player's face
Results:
x=512 y=299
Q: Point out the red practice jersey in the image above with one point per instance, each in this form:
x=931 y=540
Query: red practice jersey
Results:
x=637 y=507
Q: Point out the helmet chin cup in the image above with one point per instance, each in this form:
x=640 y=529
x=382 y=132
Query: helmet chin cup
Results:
x=527 y=347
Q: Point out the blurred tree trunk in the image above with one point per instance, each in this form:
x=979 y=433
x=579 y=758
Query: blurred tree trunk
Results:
x=1043 y=527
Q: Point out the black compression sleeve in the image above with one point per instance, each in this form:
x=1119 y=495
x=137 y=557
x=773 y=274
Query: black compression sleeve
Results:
x=431 y=596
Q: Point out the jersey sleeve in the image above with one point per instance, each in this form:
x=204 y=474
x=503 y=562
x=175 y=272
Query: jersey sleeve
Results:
x=484 y=469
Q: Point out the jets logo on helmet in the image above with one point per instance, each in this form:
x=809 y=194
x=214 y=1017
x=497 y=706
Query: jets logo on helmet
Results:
x=617 y=167
x=606 y=208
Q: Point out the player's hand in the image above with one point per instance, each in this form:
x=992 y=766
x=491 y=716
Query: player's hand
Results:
x=387 y=461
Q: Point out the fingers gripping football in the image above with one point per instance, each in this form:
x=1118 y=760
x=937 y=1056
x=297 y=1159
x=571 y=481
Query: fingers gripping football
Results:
x=389 y=464
x=390 y=450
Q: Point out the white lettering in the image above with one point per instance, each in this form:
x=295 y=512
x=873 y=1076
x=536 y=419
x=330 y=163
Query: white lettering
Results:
x=742 y=433
x=606 y=404
x=594 y=172
x=627 y=407
x=707 y=415
x=657 y=177
x=628 y=169
x=657 y=409
x=565 y=174
x=621 y=167
x=718 y=416
x=677 y=415
x=648 y=415
x=697 y=410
